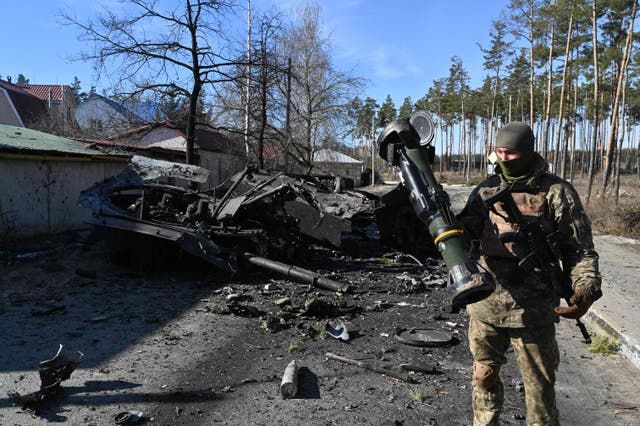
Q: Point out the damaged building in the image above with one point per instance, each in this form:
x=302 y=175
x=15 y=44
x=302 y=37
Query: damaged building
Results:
x=51 y=170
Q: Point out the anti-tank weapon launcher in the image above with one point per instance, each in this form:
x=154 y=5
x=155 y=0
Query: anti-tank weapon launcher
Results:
x=406 y=143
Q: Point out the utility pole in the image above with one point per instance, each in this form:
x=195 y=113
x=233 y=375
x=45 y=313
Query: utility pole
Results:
x=373 y=150
x=288 y=117
x=248 y=80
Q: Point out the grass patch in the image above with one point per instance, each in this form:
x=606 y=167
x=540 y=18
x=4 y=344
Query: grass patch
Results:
x=398 y=368
x=417 y=395
x=319 y=331
x=602 y=345
x=386 y=261
x=607 y=217
x=294 y=346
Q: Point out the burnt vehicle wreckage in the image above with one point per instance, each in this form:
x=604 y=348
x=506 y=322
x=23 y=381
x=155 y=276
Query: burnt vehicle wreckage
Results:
x=257 y=217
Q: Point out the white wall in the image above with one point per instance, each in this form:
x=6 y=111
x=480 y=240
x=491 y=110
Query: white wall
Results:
x=41 y=196
x=97 y=109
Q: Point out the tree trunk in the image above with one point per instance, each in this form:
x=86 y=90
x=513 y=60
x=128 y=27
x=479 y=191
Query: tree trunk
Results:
x=248 y=83
x=574 y=126
x=463 y=132
x=492 y=117
x=547 y=115
x=613 y=131
x=531 y=63
x=191 y=121
x=621 y=142
x=637 y=158
x=562 y=95
x=263 y=109
x=596 y=110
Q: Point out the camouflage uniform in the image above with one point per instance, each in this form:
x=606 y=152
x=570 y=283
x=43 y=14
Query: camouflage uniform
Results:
x=520 y=311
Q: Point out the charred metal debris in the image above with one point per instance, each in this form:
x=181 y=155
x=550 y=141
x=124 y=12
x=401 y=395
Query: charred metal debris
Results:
x=52 y=373
x=256 y=217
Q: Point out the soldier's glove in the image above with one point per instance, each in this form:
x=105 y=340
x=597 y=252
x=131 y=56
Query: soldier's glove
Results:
x=578 y=305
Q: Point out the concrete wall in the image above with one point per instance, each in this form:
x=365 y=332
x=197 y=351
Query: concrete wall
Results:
x=41 y=196
x=220 y=165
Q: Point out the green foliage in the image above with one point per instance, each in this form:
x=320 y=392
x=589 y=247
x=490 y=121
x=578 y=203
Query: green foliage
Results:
x=22 y=79
x=294 y=346
x=387 y=112
x=319 y=331
x=175 y=107
x=78 y=94
x=602 y=345
x=366 y=113
x=406 y=109
x=417 y=395
x=386 y=261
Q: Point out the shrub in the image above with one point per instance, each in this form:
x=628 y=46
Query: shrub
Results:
x=294 y=346
x=602 y=345
x=417 y=395
x=631 y=217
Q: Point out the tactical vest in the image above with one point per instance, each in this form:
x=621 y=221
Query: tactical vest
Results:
x=502 y=239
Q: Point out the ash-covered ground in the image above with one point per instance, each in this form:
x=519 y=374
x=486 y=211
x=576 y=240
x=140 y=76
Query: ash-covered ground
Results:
x=188 y=345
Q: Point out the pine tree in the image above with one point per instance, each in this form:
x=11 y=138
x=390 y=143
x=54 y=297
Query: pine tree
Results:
x=387 y=112
x=406 y=109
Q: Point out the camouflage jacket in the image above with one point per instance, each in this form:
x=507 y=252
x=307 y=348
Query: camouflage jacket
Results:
x=527 y=298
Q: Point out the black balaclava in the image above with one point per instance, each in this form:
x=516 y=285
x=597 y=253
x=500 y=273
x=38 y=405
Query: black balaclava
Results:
x=516 y=136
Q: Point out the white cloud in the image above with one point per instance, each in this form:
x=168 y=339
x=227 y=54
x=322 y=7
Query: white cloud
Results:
x=385 y=62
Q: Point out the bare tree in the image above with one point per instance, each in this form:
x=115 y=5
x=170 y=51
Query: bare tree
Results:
x=172 y=52
x=319 y=93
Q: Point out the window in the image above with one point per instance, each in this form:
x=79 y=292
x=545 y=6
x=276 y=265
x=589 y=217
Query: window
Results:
x=95 y=124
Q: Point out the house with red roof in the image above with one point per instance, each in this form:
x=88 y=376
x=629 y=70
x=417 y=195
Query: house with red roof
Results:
x=58 y=99
x=18 y=107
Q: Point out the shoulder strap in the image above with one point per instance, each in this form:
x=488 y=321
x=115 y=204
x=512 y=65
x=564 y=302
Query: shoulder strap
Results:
x=548 y=179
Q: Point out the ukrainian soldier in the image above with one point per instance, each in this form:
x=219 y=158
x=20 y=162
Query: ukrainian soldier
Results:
x=523 y=309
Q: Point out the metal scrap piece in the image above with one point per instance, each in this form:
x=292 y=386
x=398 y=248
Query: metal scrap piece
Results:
x=52 y=373
x=150 y=168
x=423 y=337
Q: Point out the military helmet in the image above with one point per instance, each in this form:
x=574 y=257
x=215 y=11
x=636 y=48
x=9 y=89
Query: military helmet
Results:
x=517 y=136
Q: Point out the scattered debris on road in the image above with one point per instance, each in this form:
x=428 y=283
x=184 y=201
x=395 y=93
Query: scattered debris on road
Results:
x=289 y=384
x=368 y=366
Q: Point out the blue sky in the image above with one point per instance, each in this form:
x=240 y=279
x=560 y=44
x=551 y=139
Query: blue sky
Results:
x=399 y=46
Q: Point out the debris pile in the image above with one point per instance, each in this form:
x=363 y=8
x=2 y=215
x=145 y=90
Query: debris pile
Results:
x=254 y=217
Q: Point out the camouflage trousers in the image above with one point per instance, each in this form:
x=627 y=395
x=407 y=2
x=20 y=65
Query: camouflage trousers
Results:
x=536 y=352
